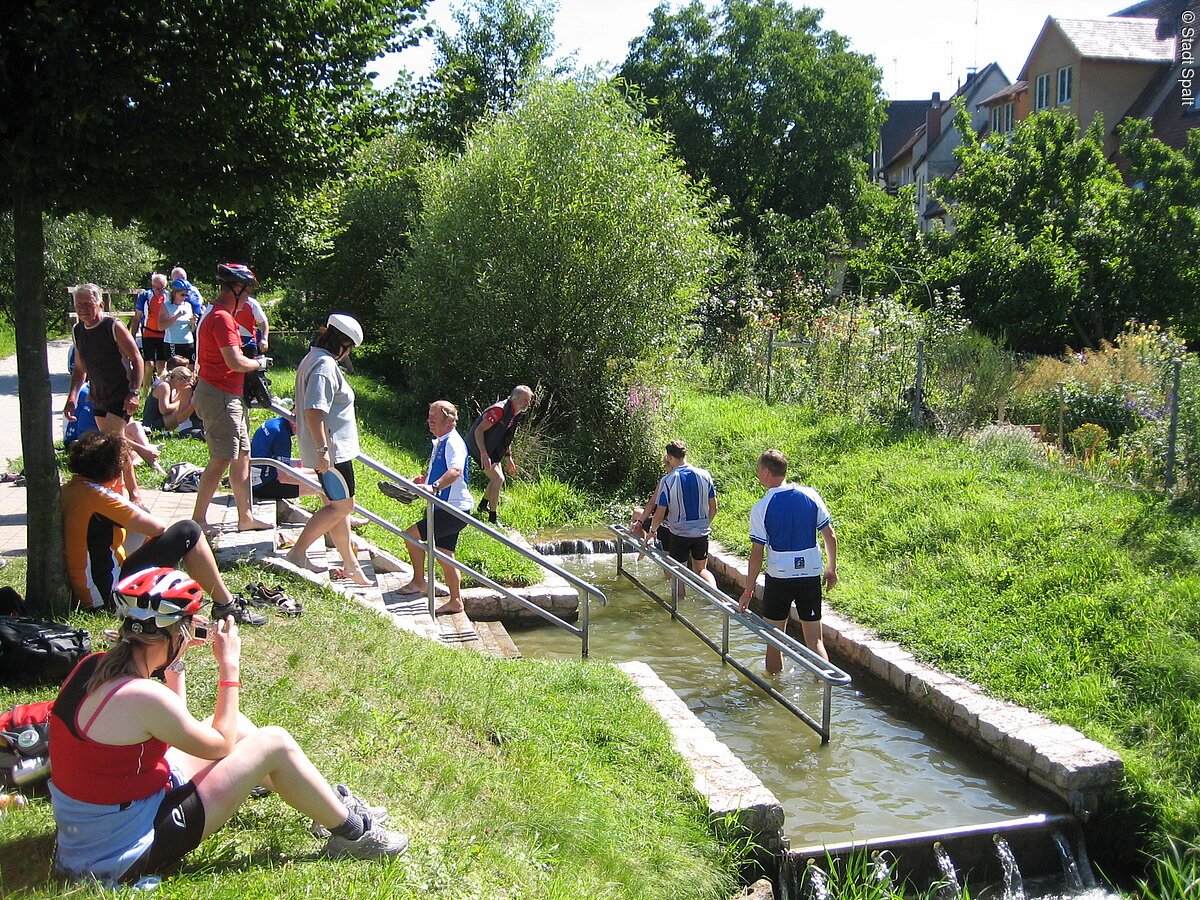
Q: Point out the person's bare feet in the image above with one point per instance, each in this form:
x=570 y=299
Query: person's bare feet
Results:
x=301 y=561
x=254 y=525
x=412 y=589
x=355 y=574
x=449 y=609
x=209 y=531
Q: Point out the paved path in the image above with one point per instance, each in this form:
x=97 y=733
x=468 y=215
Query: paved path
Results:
x=13 y=539
x=10 y=406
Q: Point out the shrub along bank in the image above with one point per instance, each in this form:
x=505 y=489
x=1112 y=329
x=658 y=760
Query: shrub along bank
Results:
x=1076 y=599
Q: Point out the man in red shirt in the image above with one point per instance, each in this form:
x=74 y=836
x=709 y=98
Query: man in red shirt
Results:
x=218 y=398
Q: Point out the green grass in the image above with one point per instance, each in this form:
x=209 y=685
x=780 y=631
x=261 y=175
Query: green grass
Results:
x=8 y=338
x=1076 y=599
x=513 y=778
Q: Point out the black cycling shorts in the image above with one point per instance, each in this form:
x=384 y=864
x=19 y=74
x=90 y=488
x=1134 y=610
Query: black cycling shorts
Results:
x=178 y=828
x=446 y=528
x=167 y=550
x=686 y=549
x=780 y=593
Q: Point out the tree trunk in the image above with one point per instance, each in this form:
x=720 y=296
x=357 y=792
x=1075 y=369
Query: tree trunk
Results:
x=46 y=590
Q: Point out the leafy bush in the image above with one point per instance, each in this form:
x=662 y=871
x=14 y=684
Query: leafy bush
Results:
x=376 y=209
x=564 y=245
x=80 y=248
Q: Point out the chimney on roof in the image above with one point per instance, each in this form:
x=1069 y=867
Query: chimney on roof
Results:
x=933 y=120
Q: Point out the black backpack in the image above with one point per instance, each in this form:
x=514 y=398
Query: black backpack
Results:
x=33 y=651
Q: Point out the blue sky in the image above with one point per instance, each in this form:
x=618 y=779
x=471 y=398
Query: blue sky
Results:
x=921 y=45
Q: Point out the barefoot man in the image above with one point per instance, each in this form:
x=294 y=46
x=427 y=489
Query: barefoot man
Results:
x=446 y=477
x=218 y=399
x=783 y=527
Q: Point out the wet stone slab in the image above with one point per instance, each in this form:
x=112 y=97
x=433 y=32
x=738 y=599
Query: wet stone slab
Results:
x=725 y=782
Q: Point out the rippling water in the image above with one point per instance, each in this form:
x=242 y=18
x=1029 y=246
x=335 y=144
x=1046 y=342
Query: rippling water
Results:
x=884 y=771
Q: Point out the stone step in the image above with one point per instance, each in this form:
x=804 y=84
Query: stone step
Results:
x=458 y=631
x=232 y=545
x=497 y=640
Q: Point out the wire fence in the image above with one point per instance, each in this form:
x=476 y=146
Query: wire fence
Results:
x=1127 y=413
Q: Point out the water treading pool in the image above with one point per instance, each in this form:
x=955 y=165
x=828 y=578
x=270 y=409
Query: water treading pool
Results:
x=884 y=771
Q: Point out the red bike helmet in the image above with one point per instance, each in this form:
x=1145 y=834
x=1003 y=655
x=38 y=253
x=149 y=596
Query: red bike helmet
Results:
x=156 y=598
x=236 y=273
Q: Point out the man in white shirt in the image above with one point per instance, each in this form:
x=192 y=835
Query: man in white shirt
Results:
x=685 y=507
x=445 y=477
x=783 y=529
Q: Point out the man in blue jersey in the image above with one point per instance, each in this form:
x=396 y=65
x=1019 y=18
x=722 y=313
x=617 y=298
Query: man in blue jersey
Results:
x=446 y=478
x=783 y=528
x=685 y=506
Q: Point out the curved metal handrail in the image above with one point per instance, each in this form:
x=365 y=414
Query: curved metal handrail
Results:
x=504 y=539
x=586 y=590
x=829 y=674
x=300 y=477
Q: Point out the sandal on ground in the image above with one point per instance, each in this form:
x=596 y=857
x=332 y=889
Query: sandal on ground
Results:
x=289 y=606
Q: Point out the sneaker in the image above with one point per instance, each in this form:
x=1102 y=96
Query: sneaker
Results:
x=493 y=517
x=354 y=803
x=396 y=492
x=375 y=842
x=240 y=610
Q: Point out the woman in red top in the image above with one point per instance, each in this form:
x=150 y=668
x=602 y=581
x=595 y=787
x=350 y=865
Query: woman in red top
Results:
x=139 y=782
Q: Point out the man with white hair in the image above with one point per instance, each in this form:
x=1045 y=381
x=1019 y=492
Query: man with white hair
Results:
x=106 y=356
x=490 y=441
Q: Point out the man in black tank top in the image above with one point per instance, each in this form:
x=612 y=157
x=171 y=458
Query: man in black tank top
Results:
x=107 y=356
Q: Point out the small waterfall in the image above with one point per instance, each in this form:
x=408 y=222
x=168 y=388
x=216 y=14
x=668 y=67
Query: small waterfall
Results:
x=816 y=882
x=1085 y=865
x=1014 y=886
x=950 y=889
x=1074 y=882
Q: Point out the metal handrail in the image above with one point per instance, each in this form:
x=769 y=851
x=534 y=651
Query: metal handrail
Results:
x=580 y=632
x=586 y=590
x=797 y=651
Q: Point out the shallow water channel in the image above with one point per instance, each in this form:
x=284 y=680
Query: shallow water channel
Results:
x=884 y=772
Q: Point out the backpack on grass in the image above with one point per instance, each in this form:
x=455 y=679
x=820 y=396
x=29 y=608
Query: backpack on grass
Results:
x=33 y=651
x=183 y=478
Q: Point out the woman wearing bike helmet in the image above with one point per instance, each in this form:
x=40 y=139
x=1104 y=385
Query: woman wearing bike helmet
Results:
x=327 y=432
x=138 y=782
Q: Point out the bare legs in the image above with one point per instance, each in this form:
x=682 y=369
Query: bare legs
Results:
x=812 y=639
x=262 y=756
x=333 y=519
x=419 y=584
x=139 y=442
x=239 y=482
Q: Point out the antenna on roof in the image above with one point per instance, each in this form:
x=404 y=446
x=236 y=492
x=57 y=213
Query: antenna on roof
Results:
x=975 y=57
x=950 y=44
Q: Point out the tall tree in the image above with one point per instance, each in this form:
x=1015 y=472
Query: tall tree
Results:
x=774 y=111
x=1038 y=250
x=1163 y=227
x=479 y=69
x=149 y=109
x=564 y=246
